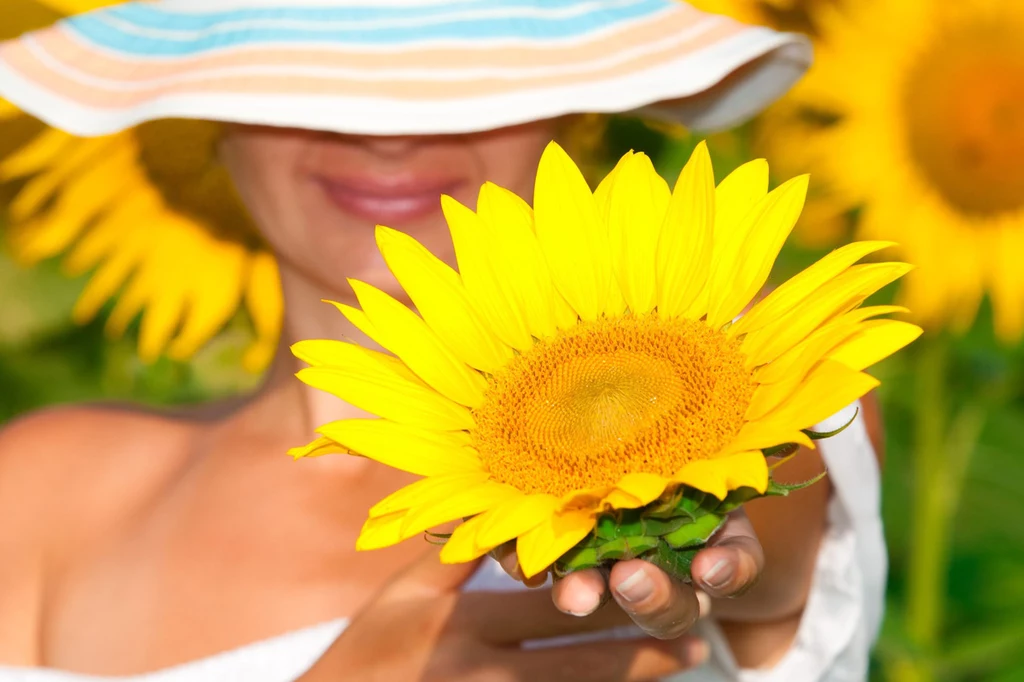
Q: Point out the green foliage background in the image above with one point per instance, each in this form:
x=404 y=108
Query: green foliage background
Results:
x=45 y=360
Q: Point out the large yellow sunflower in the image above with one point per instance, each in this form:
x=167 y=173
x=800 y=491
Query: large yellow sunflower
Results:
x=914 y=114
x=149 y=211
x=587 y=356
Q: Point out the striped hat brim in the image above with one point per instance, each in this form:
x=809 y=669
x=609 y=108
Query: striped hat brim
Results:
x=391 y=67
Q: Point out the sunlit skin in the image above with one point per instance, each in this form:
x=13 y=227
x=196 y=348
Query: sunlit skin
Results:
x=135 y=540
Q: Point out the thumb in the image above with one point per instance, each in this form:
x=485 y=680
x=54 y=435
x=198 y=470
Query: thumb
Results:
x=428 y=577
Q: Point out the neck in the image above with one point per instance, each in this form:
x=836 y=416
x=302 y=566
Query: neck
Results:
x=295 y=406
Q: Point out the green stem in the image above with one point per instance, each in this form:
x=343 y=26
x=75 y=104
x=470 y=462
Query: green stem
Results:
x=930 y=517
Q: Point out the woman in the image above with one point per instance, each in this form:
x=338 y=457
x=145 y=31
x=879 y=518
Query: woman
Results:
x=137 y=542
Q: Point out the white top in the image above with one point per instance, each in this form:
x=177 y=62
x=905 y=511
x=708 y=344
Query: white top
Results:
x=839 y=624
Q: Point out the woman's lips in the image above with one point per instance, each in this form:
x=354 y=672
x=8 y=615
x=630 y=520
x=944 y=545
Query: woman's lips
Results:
x=387 y=201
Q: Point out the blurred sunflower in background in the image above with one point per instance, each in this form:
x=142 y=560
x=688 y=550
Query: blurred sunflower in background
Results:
x=928 y=95
x=149 y=212
x=911 y=123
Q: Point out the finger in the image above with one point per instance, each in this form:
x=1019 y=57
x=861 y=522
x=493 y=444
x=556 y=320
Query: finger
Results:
x=606 y=661
x=732 y=563
x=663 y=607
x=427 y=576
x=513 y=617
x=581 y=593
x=506 y=557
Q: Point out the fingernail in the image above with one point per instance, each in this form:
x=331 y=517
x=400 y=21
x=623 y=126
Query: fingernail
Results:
x=704 y=601
x=636 y=587
x=719 y=574
x=584 y=603
x=696 y=651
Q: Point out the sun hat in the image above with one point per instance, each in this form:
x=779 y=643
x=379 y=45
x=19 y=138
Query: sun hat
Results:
x=393 y=66
x=376 y=67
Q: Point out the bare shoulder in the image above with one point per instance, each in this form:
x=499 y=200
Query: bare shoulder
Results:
x=67 y=474
x=68 y=455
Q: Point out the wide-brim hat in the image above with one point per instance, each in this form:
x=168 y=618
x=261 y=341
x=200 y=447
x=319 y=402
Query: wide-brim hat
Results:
x=148 y=211
x=385 y=67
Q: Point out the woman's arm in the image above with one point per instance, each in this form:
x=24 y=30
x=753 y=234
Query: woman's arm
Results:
x=762 y=624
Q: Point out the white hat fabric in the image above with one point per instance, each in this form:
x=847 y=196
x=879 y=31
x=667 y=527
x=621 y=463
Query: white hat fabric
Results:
x=392 y=67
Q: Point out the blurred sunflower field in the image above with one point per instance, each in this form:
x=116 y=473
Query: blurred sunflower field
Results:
x=911 y=124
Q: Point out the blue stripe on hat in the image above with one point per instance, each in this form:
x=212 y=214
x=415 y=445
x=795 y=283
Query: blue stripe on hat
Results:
x=158 y=16
x=113 y=29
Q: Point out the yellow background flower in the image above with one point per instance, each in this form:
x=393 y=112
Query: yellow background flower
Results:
x=913 y=114
x=149 y=212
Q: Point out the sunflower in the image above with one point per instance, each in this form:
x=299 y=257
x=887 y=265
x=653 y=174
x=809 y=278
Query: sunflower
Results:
x=587 y=357
x=786 y=15
x=150 y=213
x=933 y=94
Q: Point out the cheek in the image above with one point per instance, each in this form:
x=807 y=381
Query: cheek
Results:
x=510 y=158
x=262 y=168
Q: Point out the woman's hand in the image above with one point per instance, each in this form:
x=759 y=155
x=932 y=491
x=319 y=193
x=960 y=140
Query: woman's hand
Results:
x=661 y=606
x=421 y=628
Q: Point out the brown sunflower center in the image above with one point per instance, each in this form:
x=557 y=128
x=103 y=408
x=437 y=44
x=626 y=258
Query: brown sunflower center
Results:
x=607 y=398
x=965 y=115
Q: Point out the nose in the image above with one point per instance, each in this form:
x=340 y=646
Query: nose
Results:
x=391 y=146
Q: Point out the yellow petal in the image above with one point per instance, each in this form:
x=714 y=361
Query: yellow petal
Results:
x=72 y=7
x=405 y=334
x=8 y=110
x=376 y=387
x=424 y=452
x=474 y=254
x=518 y=262
x=603 y=193
x=265 y=302
x=684 y=246
x=380 y=532
x=160 y=319
x=875 y=341
x=426 y=491
x=40 y=188
x=553 y=537
x=861 y=314
x=103 y=284
x=115 y=232
x=828 y=389
x=216 y=293
x=462 y=545
x=735 y=197
x=80 y=200
x=356 y=316
x=748 y=257
x=836 y=297
x=789 y=294
x=457 y=505
x=42 y=152
x=514 y=517
x=636 y=208
x=720 y=475
x=765 y=434
x=794 y=364
x=572 y=233
x=440 y=297
x=316 y=448
x=635 y=490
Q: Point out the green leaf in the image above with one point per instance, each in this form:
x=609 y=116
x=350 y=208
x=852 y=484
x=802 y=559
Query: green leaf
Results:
x=674 y=562
x=819 y=435
x=696 y=533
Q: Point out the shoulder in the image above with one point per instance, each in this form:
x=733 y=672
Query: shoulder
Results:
x=68 y=454
x=66 y=475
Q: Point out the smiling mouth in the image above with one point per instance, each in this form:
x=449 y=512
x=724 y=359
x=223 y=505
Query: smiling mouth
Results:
x=387 y=202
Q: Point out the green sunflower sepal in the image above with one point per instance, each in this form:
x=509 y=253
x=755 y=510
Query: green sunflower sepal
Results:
x=671 y=530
